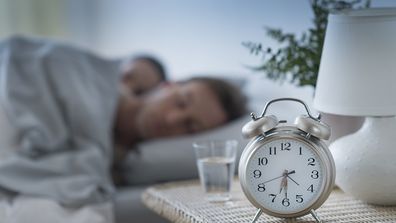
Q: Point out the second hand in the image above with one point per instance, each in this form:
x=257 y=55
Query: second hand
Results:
x=291 y=172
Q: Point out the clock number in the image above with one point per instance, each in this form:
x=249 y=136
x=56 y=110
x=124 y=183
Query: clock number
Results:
x=285 y=146
x=300 y=153
x=315 y=174
x=310 y=188
x=262 y=161
x=299 y=199
x=261 y=187
x=273 y=197
x=257 y=173
x=272 y=150
x=286 y=202
x=311 y=162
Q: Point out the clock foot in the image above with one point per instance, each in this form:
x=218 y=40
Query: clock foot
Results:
x=258 y=213
x=314 y=215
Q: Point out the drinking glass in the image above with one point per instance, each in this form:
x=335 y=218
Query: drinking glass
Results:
x=216 y=166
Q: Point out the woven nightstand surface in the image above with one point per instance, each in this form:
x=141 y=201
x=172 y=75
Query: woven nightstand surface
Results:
x=184 y=202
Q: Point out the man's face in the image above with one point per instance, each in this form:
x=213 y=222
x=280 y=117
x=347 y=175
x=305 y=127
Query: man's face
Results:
x=178 y=109
x=140 y=76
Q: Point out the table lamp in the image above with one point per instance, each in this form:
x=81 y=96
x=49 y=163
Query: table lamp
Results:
x=357 y=77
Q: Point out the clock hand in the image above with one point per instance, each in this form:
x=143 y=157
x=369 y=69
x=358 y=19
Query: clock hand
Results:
x=285 y=187
x=284 y=181
x=286 y=175
x=272 y=179
x=293 y=180
x=291 y=172
x=282 y=185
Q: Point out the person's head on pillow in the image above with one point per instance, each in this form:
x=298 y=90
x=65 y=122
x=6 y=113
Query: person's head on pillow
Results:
x=183 y=107
x=141 y=73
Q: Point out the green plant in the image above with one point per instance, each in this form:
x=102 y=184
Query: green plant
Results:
x=298 y=58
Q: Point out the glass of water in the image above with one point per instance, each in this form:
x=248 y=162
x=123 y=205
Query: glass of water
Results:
x=216 y=166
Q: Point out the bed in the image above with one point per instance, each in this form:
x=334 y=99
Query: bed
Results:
x=152 y=162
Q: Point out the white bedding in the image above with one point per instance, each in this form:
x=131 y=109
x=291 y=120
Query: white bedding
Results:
x=61 y=101
x=22 y=209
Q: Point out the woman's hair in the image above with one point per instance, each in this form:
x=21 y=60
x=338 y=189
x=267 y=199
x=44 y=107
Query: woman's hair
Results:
x=231 y=98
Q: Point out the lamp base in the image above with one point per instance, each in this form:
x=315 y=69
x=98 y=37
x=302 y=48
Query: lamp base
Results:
x=366 y=161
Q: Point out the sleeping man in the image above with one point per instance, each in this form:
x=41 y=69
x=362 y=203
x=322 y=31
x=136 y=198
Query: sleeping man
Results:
x=141 y=73
x=66 y=111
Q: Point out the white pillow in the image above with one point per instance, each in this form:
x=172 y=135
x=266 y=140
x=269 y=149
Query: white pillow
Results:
x=173 y=158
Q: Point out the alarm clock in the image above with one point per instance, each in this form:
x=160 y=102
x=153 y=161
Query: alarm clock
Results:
x=286 y=170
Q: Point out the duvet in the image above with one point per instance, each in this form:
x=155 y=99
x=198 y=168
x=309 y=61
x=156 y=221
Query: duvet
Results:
x=60 y=102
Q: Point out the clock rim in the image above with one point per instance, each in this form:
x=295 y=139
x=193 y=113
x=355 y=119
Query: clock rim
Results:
x=294 y=133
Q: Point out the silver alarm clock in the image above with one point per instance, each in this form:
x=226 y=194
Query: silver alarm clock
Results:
x=286 y=170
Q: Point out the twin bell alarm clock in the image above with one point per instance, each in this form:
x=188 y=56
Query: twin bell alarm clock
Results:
x=286 y=170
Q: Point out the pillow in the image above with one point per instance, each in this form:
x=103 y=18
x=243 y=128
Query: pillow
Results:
x=171 y=159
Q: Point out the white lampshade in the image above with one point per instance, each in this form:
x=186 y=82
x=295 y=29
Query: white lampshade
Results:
x=357 y=77
x=357 y=74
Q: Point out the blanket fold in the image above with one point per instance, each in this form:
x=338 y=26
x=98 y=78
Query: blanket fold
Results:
x=61 y=101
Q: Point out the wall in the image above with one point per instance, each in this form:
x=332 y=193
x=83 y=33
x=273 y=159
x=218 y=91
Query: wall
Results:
x=196 y=36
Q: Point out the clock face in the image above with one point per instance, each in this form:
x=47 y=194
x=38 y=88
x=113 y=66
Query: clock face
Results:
x=285 y=175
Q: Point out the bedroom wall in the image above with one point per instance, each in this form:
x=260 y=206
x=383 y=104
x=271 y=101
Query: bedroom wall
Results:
x=198 y=36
